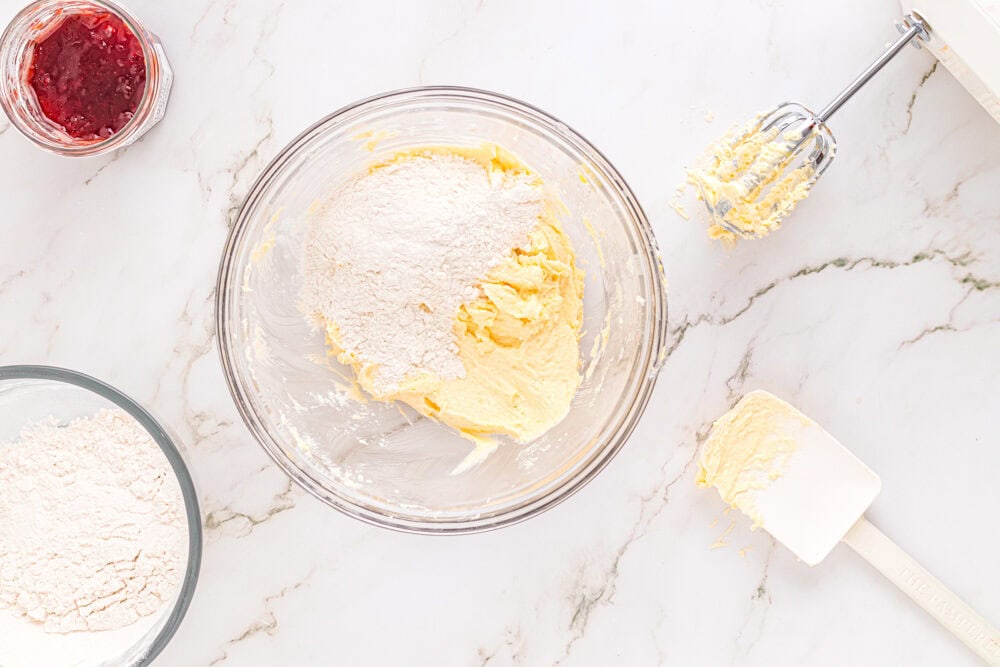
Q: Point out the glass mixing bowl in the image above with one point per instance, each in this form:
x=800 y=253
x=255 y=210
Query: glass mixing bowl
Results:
x=383 y=463
x=30 y=394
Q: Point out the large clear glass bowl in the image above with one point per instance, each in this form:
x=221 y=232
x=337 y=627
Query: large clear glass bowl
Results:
x=29 y=394
x=383 y=463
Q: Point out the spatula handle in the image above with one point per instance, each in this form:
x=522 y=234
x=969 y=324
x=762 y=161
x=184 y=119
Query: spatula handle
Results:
x=958 y=617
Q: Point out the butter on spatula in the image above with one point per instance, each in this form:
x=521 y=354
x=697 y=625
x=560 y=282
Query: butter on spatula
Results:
x=792 y=478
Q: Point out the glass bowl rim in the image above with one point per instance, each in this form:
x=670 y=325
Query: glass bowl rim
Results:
x=181 y=474
x=653 y=355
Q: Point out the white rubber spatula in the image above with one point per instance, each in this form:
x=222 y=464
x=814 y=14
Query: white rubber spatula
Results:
x=808 y=491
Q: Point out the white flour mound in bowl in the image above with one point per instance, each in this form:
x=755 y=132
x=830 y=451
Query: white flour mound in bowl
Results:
x=93 y=539
x=396 y=251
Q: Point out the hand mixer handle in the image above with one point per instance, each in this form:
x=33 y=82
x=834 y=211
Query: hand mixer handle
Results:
x=959 y=618
x=915 y=27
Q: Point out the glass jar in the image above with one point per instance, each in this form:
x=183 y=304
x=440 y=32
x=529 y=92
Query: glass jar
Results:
x=19 y=101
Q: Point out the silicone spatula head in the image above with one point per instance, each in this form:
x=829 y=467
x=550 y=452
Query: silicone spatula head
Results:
x=786 y=473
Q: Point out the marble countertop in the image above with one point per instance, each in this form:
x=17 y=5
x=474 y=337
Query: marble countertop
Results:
x=876 y=310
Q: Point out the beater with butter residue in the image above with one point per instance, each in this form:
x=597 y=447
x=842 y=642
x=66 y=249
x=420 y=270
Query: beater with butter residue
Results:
x=751 y=179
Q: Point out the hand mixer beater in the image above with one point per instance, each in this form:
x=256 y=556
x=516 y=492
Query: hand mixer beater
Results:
x=751 y=179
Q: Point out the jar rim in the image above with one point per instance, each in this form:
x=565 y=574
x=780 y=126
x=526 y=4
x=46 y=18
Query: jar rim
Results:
x=14 y=91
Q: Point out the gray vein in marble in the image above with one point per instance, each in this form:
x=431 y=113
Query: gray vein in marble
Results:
x=42 y=327
x=937 y=208
x=11 y=278
x=467 y=19
x=196 y=26
x=938 y=328
x=760 y=605
x=512 y=646
x=614 y=118
x=195 y=340
x=246 y=523
x=239 y=167
x=114 y=158
x=881 y=150
x=679 y=332
x=270 y=24
x=980 y=284
x=189 y=350
x=975 y=284
x=913 y=97
x=651 y=505
x=206 y=425
x=246 y=160
x=267 y=624
x=734 y=385
x=251 y=158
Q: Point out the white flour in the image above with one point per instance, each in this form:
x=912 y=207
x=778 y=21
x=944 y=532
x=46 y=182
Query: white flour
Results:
x=92 y=531
x=394 y=253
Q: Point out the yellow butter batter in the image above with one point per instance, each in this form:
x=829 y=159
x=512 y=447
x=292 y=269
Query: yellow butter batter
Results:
x=518 y=341
x=747 y=449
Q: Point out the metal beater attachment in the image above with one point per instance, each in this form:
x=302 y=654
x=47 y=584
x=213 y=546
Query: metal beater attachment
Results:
x=753 y=178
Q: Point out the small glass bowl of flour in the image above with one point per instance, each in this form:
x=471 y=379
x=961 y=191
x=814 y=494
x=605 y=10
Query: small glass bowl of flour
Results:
x=100 y=532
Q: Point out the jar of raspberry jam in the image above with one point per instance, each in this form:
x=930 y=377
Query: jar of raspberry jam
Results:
x=82 y=77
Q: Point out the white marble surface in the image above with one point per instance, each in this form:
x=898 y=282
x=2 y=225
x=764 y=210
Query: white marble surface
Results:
x=876 y=311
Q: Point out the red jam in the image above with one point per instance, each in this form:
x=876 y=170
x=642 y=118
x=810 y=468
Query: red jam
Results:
x=89 y=75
